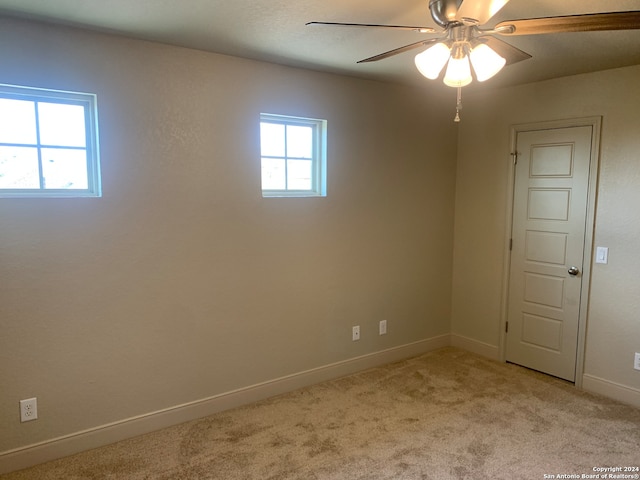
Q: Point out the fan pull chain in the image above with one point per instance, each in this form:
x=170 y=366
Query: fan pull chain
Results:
x=458 y=105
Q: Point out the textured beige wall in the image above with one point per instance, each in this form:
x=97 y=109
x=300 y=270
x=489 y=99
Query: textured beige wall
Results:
x=182 y=282
x=613 y=330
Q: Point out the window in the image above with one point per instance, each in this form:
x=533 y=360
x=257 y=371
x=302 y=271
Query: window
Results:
x=48 y=143
x=293 y=156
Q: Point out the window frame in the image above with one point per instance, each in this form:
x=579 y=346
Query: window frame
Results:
x=318 y=156
x=89 y=102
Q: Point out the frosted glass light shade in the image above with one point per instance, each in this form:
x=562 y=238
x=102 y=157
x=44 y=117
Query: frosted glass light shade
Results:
x=486 y=62
x=458 y=72
x=432 y=60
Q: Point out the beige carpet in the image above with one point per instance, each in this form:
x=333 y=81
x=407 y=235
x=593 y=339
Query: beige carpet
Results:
x=447 y=414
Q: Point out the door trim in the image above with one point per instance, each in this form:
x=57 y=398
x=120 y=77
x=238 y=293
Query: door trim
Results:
x=596 y=124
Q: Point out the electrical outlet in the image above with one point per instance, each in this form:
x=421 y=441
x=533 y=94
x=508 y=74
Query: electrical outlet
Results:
x=28 y=409
x=355 y=333
x=636 y=362
x=382 y=327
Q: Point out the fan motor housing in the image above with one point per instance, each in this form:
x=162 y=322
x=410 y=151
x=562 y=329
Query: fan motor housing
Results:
x=444 y=12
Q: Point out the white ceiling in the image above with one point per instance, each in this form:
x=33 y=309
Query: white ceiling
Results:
x=275 y=31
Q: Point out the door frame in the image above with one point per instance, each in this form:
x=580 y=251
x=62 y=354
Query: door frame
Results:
x=596 y=123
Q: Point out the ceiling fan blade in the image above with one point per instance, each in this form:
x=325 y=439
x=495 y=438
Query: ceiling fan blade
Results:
x=590 y=22
x=396 y=51
x=479 y=11
x=510 y=53
x=397 y=27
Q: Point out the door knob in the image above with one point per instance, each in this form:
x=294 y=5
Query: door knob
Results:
x=573 y=271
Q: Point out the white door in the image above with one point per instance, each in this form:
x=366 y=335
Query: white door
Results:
x=548 y=249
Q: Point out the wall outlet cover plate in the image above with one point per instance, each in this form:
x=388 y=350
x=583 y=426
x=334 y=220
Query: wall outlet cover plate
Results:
x=28 y=409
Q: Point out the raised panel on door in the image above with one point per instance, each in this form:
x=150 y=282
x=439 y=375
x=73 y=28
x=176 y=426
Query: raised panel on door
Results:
x=548 y=248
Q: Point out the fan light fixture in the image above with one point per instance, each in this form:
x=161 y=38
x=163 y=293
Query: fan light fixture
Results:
x=459 y=59
x=468 y=50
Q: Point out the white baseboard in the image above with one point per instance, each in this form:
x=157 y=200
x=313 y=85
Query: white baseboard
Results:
x=474 y=346
x=30 y=455
x=617 y=391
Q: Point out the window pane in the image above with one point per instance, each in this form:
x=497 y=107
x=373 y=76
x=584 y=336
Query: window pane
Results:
x=62 y=168
x=299 y=174
x=299 y=141
x=293 y=156
x=273 y=174
x=17 y=121
x=61 y=124
x=272 y=139
x=19 y=167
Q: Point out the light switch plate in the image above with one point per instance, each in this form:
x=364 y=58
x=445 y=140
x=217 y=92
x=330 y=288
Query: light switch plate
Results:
x=602 y=255
x=382 y=327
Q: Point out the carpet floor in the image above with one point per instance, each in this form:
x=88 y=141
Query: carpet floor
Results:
x=447 y=414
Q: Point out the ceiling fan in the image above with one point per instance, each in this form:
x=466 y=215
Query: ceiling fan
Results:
x=463 y=43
